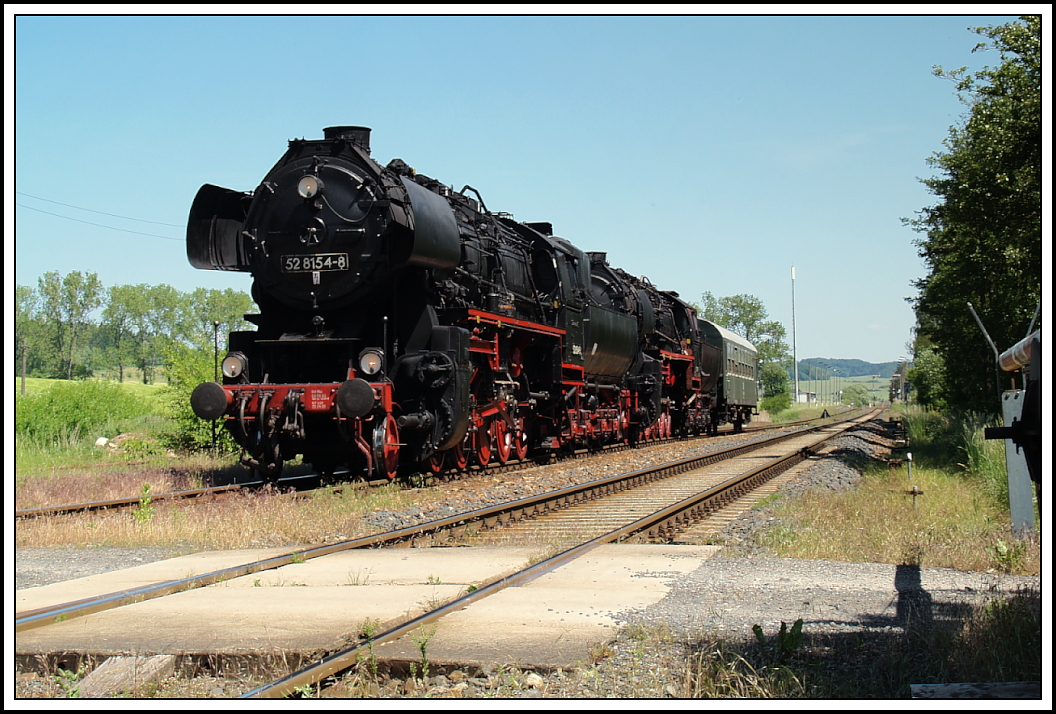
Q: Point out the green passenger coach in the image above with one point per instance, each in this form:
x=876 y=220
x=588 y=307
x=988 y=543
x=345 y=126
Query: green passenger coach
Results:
x=737 y=392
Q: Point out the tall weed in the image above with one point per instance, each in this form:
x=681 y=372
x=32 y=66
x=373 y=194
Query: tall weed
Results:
x=983 y=457
x=1001 y=641
x=942 y=441
x=923 y=426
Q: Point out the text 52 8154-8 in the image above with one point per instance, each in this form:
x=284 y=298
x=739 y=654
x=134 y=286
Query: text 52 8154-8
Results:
x=311 y=263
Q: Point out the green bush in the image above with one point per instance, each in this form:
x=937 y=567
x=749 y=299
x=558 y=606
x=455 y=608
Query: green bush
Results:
x=776 y=403
x=186 y=368
x=69 y=412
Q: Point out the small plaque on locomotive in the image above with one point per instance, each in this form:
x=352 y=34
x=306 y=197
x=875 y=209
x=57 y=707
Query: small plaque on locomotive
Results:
x=314 y=263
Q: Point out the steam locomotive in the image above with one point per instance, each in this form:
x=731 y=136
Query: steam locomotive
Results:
x=404 y=326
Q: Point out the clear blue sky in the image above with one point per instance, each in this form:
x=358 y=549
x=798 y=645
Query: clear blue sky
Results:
x=706 y=153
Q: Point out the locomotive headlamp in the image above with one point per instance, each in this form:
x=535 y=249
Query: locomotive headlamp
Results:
x=370 y=362
x=234 y=365
x=309 y=186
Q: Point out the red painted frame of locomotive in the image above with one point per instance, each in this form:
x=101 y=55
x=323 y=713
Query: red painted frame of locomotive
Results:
x=609 y=420
x=686 y=365
x=315 y=398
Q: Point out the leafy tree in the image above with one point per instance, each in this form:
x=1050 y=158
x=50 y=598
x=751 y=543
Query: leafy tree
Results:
x=118 y=326
x=49 y=291
x=856 y=394
x=774 y=378
x=983 y=237
x=151 y=314
x=66 y=304
x=81 y=295
x=928 y=376
x=777 y=390
x=745 y=315
x=28 y=332
x=227 y=307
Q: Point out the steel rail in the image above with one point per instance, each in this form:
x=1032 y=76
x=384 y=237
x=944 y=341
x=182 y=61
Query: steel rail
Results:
x=121 y=502
x=512 y=465
x=489 y=517
x=680 y=515
x=663 y=520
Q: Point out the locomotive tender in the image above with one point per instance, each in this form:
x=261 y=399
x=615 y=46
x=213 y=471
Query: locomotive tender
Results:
x=404 y=325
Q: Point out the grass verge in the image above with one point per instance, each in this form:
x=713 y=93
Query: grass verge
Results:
x=258 y=519
x=959 y=521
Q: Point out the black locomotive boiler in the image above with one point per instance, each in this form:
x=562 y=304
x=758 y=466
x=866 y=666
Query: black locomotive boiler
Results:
x=403 y=325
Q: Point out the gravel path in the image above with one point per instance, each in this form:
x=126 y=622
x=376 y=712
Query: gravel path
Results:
x=729 y=594
x=43 y=566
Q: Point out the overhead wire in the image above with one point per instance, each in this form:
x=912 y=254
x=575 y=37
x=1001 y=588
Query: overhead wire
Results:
x=100 y=225
x=92 y=210
x=102 y=213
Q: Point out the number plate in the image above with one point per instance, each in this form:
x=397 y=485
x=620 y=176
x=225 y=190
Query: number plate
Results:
x=314 y=263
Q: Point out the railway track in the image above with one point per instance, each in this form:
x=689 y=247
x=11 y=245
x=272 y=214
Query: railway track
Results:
x=309 y=481
x=638 y=518
x=439 y=531
x=593 y=518
x=674 y=512
x=122 y=503
x=711 y=526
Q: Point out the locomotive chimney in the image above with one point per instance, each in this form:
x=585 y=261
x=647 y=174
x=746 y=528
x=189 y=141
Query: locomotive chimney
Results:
x=357 y=135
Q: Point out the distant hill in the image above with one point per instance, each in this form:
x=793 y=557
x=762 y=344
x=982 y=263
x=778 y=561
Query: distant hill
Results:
x=812 y=367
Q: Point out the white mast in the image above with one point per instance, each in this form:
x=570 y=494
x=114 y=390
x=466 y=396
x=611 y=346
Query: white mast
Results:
x=795 y=364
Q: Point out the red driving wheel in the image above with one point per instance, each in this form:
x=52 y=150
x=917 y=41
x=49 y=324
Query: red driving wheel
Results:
x=520 y=440
x=458 y=456
x=502 y=438
x=482 y=445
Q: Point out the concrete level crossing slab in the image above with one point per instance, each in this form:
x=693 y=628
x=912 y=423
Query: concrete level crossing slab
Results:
x=322 y=604
x=558 y=618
